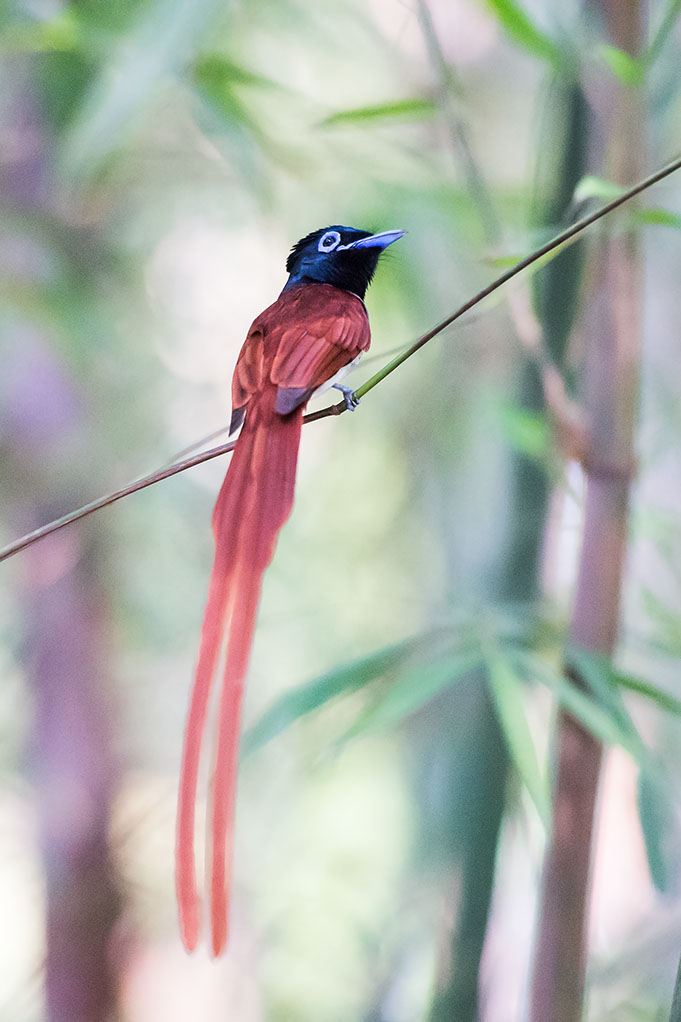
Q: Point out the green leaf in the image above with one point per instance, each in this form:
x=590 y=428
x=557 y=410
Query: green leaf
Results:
x=596 y=670
x=675 y=1015
x=666 y=621
x=303 y=700
x=505 y=262
x=656 y=816
x=591 y=187
x=525 y=430
x=595 y=719
x=520 y=27
x=412 y=690
x=664 y=700
x=602 y=724
x=158 y=46
x=658 y=217
x=508 y=694
x=216 y=72
x=60 y=35
x=660 y=38
x=382 y=112
x=625 y=67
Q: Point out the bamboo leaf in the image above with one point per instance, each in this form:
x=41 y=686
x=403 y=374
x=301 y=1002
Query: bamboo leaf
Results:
x=596 y=671
x=519 y=26
x=216 y=72
x=525 y=430
x=507 y=260
x=503 y=262
x=668 y=22
x=158 y=46
x=658 y=217
x=625 y=67
x=656 y=818
x=676 y=1000
x=508 y=694
x=415 y=688
x=593 y=716
x=397 y=110
x=591 y=187
x=61 y=34
x=664 y=700
x=295 y=704
x=666 y=621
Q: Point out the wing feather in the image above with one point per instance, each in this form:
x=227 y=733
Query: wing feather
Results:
x=248 y=371
x=307 y=336
x=331 y=329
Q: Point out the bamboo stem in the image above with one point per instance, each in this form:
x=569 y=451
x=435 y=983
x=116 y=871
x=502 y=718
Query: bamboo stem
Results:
x=611 y=374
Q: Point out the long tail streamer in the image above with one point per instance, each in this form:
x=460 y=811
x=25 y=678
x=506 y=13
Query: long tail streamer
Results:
x=255 y=501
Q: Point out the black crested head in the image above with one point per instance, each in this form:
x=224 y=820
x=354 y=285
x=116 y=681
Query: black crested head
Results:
x=344 y=257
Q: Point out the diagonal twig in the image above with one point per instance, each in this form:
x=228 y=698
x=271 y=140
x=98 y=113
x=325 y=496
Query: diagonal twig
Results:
x=369 y=385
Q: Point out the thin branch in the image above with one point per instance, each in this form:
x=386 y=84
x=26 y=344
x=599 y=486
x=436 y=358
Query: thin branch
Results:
x=197 y=445
x=139 y=484
x=111 y=498
x=550 y=246
x=371 y=383
x=224 y=430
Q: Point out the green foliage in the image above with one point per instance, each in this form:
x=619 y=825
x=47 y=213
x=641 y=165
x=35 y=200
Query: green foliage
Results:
x=667 y=24
x=658 y=218
x=61 y=34
x=303 y=700
x=676 y=1002
x=629 y=71
x=657 y=823
x=412 y=689
x=507 y=692
x=526 y=33
x=402 y=680
x=591 y=187
x=664 y=700
x=525 y=430
x=159 y=45
x=595 y=670
x=666 y=620
x=382 y=112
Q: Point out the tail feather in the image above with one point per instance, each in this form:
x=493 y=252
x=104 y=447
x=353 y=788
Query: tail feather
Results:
x=226 y=523
x=211 y=642
x=224 y=787
x=254 y=502
x=274 y=453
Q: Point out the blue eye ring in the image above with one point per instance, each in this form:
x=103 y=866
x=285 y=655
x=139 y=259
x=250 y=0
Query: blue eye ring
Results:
x=328 y=241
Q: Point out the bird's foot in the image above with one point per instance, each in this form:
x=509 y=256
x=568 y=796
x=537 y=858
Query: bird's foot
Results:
x=348 y=393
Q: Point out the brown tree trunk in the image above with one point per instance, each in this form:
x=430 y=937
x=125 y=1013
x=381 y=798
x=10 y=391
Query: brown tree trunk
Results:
x=611 y=374
x=64 y=610
x=66 y=630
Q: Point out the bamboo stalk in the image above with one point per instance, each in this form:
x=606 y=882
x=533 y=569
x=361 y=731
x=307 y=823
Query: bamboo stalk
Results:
x=611 y=374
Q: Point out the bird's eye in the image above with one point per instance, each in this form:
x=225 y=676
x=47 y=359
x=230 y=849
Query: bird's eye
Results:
x=328 y=241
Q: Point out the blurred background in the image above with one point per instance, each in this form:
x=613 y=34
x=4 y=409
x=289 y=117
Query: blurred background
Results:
x=158 y=160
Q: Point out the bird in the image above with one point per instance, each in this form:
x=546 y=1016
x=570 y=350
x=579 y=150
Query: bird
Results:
x=299 y=346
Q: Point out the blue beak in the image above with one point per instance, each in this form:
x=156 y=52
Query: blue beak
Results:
x=381 y=240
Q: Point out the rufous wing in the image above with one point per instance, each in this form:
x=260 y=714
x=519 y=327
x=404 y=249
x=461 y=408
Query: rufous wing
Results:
x=329 y=330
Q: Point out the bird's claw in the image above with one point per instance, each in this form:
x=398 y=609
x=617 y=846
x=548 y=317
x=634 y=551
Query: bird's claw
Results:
x=348 y=393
